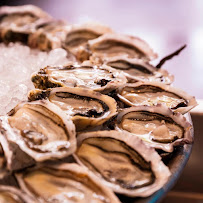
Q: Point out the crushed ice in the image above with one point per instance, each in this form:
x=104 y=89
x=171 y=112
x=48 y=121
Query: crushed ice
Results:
x=17 y=63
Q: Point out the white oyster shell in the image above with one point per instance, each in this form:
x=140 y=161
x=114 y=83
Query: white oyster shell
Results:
x=41 y=130
x=122 y=161
x=78 y=35
x=99 y=78
x=138 y=69
x=153 y=93
x=112 y=44
x=19 y=21
x=64 y=183
x=49 y=35
x=167 y=131
x=86 y=107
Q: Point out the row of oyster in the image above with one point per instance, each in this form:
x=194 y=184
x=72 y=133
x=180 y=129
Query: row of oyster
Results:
x=107 y=114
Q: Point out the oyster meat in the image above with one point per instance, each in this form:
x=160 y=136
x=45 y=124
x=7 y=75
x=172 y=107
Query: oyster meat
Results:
x=78 y=35
x=122 y=161
x=17 y=22
x=139 y=70
x=48 y=35
x=86 y=107
x=10 y=194
x=153 y=93
x=112 y=44
x=41 y=130
x=157 y=125
x=64 y=183
x=86 y=75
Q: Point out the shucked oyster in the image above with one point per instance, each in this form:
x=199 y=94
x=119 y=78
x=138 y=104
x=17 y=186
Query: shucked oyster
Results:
x=86 y=107
x=78 y=35
x=48 y=36
x=138 y=70
x=64 y=183
x=41 y=130
x=157 y=125
x=109 y=45
x=122 y=161
x=86 y=75
x=153 y=93
x=10 y=194
x=17 y=22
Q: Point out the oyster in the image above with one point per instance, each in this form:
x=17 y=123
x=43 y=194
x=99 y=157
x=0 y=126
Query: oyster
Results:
x=111 y=44
x=86 y=75
x=122 y=161
x=41 y=130
x=48 y=35
x=78 y=36
x=157 y=125
x=86 y=107
x=10 y=194
x=64 y=183
x=153 y=93
x=17 y=22
x=139 y=70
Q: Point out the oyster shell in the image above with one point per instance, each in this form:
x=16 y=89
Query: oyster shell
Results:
x=48 y=35
x=6 y=177
x=112 y=44
x=86 y=75
x=12 y=155
x=41 y=130
x=17 y=22
x=64 y=183
x=10 y=194
x=122 y=161
x=139 y=70
x=78 y=35
x=2 y=158
x=86 y=107
x=153 y=93
x=157 y=125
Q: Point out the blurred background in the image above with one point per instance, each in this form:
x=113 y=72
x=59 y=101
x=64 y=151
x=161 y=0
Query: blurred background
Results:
x=166 y=26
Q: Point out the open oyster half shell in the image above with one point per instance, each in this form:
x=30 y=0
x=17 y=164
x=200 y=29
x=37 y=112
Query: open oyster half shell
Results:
x=86 y=107
x=64 y=183
x=157 y=126
x=153 y=93
x=48 y=35
x=77 y=37
x=112 y=44
x=138 y=70
x=41 y=130
x=122 y=161
x=17 y=22
x=99 y=78
x=9 y=194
